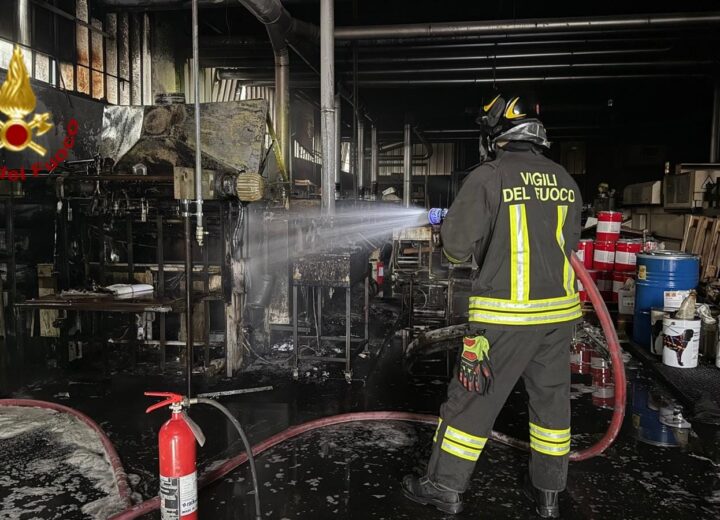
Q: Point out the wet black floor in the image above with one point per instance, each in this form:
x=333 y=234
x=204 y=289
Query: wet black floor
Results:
x=353 y=471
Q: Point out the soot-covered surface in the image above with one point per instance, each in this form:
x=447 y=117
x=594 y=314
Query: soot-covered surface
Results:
x=53 y=466
x=353 y=471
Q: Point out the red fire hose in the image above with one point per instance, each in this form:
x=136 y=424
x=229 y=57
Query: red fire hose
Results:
x=618 y=366
x=294 y=431
x=113 y=457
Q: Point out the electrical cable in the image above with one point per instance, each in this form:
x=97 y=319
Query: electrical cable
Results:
x=246 y=443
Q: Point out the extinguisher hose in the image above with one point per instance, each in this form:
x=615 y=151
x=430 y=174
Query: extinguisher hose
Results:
x=245 y=441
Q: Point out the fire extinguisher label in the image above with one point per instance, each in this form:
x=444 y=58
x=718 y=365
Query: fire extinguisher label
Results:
x=178 y=496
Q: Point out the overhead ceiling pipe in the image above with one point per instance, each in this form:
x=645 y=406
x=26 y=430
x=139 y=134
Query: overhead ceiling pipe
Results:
x=163 y=4
x=494 y=57
x=388 y=83
x=539 y=66
x=538 y=25
x=516 y=43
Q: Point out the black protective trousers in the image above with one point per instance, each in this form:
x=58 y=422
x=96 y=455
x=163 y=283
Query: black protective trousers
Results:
x=542 y=358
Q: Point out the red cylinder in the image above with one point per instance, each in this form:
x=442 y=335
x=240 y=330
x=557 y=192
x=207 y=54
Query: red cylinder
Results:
x=581 y=289
x=178 y=476
x=580 y=356
x=380 y=278
x=625 y=251
x=604 y=284
x=604 y=255
x=619 y=279
x=585 y=252
x=608 y=226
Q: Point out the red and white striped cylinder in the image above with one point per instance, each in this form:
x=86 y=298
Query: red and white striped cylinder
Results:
x=608 y=226
x=604 y=255
x=604 y=284
x=581 y=289
x=580 y=357
x=585 y=252
x=602 y=382
x=619 y=279
x=604 y=397
x=625 y=251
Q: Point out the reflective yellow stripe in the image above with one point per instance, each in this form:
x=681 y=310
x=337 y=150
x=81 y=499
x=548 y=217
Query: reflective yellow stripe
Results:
x=482 y=303
x=519 y=254
x=549 y=448
x=465 y=438
x=549 y=434
x=513 y=253
x=568 y=273
x=454 y=260
x=499 y=318
x=534 y=302
x=460 y=451
x=437 y=430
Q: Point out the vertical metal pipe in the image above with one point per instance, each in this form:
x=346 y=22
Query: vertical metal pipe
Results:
x=338 y=138
x=189 y=339
x=715 y=133
x=327 y=104
x=199 y=231
x=22 y=22
x=374 y=162
x=361 y=158
x=407 y=165
x=356 y=112
x=282 y=106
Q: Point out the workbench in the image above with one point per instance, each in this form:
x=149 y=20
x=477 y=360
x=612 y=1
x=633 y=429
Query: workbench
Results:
x=103 y=303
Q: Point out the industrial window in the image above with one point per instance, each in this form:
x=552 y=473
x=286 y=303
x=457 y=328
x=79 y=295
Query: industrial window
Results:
x=79 y=47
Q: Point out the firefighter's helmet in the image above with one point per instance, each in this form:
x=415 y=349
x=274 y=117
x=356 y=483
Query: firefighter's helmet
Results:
x=502 y=120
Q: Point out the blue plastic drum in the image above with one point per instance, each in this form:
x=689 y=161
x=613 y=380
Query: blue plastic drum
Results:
x=660 y=271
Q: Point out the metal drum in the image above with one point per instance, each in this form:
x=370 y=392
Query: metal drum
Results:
x=660 y=271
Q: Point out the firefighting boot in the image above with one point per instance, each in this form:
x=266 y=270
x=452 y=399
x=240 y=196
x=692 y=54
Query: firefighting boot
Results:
x=547 y=503
x=424 y=492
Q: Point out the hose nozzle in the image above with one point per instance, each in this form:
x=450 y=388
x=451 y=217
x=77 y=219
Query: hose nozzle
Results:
x=437 y=215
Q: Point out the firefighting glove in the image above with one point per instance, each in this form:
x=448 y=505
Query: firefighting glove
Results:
x=475 y=372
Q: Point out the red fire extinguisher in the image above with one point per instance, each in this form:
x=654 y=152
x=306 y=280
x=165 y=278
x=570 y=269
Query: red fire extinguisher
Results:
x=380 y=279
x=178 y=476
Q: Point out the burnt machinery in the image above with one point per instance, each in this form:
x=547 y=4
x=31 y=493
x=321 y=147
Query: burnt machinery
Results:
x=123 y=216
x=434 y=291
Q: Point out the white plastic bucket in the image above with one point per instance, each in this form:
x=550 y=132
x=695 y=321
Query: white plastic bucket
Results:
x=681 y=342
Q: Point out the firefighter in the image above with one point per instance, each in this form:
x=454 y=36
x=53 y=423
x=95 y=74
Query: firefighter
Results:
x=518 y=215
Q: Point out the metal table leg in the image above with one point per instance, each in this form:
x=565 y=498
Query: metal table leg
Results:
x=319 y=312
x=161 y=287
x=348 y=323
x=295 y=329
x=367 y=310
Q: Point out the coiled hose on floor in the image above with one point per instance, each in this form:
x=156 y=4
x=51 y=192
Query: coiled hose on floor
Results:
x=113 y=457
x=294 y=431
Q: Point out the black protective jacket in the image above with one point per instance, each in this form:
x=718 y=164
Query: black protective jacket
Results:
x=519 y=215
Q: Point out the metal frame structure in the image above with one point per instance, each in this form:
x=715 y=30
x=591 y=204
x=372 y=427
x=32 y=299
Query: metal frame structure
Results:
x=347 y=339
